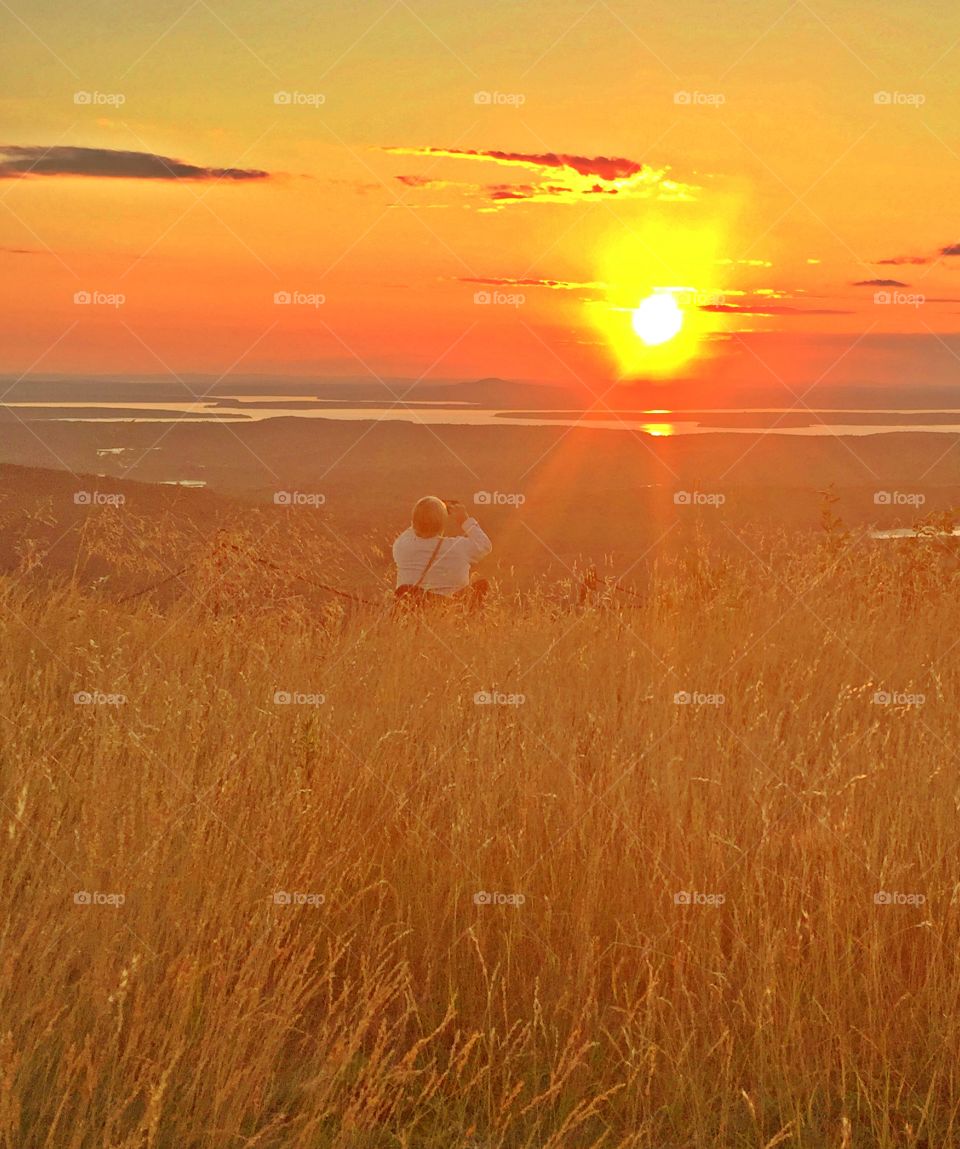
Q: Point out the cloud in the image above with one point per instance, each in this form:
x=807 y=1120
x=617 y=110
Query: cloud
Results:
x=583 y=177
x=745 y=262
x=879 y=283
x=771 y=309
x=542 y=192
x=106 y=163
x=554 y=284
x=599 y=167
x=422 y=182
x=760 y=304
x=920 y=260
x=516 y=191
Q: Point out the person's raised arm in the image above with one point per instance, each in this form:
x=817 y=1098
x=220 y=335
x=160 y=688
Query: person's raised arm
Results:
x=480 y=545
x=477 y=543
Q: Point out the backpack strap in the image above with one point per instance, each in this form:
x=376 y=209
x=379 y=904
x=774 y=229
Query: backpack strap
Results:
x=436 y=551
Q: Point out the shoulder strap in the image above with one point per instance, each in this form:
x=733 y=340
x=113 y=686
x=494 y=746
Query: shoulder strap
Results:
x=436 y=551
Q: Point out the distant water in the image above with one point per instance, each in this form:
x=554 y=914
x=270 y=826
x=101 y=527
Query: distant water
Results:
x=656 y=424
x=911 y=533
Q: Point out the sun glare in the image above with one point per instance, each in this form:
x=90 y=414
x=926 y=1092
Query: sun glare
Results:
x=657 y=319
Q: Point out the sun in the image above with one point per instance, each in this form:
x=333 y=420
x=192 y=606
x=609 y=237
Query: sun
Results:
x=657 y=319
x=654 y=311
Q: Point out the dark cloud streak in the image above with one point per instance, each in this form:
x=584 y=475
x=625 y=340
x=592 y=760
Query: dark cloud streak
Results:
x=770 y=309
x=599 y=167
x=28 y=162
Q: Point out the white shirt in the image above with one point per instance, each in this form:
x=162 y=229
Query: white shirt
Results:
x=450 y=570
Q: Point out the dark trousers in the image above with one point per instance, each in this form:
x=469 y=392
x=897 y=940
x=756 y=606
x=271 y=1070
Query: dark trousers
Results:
x=469 y=598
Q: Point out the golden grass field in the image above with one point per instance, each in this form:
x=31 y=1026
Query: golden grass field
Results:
x=385 y=1005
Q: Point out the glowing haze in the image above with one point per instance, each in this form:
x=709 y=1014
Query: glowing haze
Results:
x=548 y=190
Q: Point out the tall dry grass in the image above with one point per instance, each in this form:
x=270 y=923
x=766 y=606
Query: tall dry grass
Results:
x=393 y=1007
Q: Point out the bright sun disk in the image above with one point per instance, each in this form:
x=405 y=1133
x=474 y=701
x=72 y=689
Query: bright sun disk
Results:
x=657 y=319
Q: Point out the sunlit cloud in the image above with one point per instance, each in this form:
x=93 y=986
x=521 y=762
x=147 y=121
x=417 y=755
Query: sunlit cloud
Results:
x=422 y=182
x=553 y=284
x=600 y=167
x=583 y=177
x=771 y=309
x=744 y=263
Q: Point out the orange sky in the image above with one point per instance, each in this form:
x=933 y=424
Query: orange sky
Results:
x=462 y=191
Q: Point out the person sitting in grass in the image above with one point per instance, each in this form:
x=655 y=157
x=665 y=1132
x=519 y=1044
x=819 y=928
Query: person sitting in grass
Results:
x=434 y=565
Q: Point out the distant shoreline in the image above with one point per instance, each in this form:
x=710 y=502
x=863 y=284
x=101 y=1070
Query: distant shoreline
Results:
x=655 y=424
